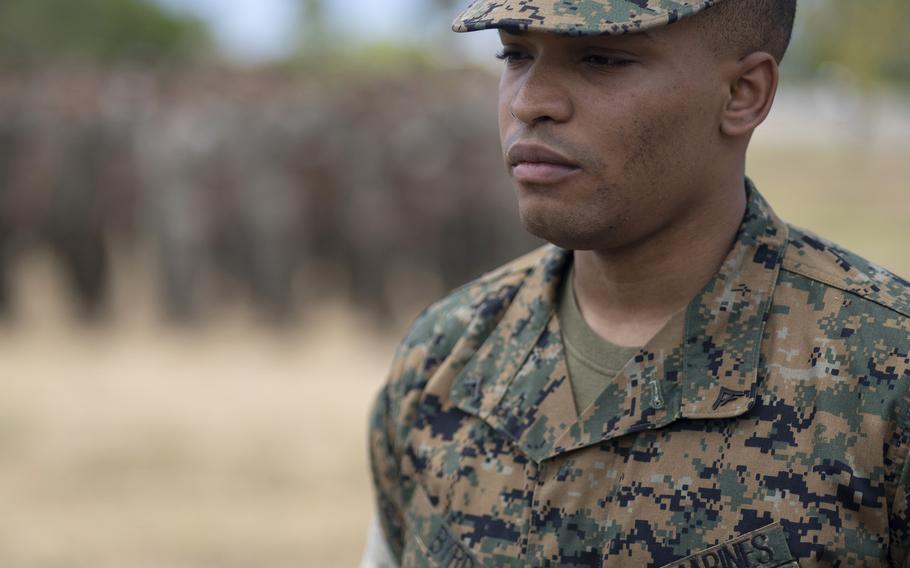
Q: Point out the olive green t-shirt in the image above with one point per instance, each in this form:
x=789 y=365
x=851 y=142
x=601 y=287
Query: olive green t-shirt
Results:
x=592 y=360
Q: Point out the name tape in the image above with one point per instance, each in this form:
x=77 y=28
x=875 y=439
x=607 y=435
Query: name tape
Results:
x=764 y=548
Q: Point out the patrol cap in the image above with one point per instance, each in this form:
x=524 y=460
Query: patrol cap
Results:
x=577 y=17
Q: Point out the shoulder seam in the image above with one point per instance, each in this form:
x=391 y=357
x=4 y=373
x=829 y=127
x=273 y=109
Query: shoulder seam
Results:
x=831 y=280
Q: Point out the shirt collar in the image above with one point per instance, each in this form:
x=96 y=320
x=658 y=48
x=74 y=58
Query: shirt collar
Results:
x=703 y=364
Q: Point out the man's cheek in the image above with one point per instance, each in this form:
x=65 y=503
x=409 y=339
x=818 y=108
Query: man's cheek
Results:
x=656 y=142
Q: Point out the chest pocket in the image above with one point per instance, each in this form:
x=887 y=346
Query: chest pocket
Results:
x=430 y=542
x=763 y=548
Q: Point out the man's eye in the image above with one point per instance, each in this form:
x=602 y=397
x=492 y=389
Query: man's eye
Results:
x=510 y=56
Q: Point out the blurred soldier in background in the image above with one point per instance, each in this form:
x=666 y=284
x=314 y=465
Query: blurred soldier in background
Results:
x=175 y=150
x=680 y=378
x=83 y=148
x=10 y=115
x=56 y=155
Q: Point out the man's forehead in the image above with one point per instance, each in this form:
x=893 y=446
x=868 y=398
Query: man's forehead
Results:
x=577 y=17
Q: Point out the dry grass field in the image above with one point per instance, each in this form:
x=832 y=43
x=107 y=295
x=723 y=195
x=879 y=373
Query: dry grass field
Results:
x=137 y=445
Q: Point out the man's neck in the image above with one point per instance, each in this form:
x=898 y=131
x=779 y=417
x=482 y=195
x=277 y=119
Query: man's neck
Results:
x=628 y=294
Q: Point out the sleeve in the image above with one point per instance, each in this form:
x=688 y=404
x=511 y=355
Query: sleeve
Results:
x=898 y=448
x=900 y=522
x=384 y=467
x=428 y=342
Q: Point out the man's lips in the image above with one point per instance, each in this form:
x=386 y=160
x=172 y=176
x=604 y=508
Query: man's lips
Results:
x=533 y=163
x=541 y=172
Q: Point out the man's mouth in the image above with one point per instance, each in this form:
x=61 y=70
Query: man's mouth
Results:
x=536 y=164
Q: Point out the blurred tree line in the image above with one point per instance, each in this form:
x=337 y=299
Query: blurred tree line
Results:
x=38 y=32
x=871 y=40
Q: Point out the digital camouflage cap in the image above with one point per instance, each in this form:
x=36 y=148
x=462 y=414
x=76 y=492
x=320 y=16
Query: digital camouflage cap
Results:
x=576 y=17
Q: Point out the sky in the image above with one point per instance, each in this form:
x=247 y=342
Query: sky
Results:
x=259 y=30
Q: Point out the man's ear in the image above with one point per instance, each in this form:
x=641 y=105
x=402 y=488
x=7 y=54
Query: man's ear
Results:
x=753 y=84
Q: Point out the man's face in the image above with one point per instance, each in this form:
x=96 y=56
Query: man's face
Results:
x=609 y=139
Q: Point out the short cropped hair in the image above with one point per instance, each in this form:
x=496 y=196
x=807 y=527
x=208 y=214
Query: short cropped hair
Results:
x=747 y=26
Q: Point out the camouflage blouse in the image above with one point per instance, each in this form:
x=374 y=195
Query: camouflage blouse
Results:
x=766 y=425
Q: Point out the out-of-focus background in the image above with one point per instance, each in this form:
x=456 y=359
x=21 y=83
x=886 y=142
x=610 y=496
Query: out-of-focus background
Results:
x=217 y=218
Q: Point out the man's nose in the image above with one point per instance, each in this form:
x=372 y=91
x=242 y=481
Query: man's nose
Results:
x=541 y=97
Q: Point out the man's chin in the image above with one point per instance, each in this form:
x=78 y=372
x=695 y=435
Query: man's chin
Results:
x=562 y=233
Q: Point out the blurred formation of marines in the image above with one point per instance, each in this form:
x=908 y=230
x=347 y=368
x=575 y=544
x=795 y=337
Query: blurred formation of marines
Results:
x=680 y=378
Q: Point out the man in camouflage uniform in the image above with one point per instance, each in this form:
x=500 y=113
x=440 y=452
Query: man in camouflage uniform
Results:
x=761 y=416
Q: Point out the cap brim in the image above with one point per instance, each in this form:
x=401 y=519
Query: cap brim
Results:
x=581 y=17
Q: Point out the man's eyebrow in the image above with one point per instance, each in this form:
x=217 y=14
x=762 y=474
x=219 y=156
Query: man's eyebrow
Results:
x=523 y=31
x=644 y=34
